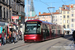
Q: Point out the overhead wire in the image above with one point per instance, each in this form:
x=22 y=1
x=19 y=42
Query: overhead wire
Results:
x=63 y=2
x=43 y=2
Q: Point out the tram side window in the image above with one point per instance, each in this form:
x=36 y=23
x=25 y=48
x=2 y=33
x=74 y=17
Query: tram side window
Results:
x=39 y=28
x=48 y=30
x=53 y=30
x=45 y=29
x=58 y=28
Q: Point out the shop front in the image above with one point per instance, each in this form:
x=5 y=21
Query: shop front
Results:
x=3 y=27
x=67 y=31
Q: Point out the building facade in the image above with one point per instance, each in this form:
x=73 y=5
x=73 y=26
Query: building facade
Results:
x=5 y=14
x=5 y=10
x=45 y=17
x=13 y=11
x=58 y=19
x=72 y=17
x=18 y=14
x=68 y=19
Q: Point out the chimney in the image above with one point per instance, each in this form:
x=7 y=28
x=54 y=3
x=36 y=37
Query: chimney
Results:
x=39 y=13
x=71 y=6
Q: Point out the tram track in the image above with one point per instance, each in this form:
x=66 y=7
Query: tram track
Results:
x=56 y=44
x=43 y=45
x=39 y=45
x=60 y=43
x=26 y=45
x=51 y=45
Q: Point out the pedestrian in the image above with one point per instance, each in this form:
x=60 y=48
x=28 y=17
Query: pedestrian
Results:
x=73 y=34
x=14 y=36
x=20 y=35
x=3 y=37
x=10 y=37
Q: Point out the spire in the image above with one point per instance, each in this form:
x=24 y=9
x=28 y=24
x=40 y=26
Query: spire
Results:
x=31 y=6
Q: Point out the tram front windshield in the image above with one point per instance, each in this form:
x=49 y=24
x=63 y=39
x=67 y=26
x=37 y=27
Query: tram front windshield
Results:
x=32 y=28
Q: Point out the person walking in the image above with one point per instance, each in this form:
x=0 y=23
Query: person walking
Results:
x=3 y=38
x=73 y=36
x=20 y=35
x=14 y=36
x=10 y=37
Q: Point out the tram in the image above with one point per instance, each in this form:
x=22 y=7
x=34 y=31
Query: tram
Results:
x=37 y=30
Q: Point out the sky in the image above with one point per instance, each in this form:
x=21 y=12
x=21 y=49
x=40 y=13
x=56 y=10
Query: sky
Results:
x=42 y=5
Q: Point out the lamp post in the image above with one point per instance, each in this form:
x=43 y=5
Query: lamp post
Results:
x=51 y=13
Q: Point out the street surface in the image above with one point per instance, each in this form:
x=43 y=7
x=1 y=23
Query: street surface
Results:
x=62 y=43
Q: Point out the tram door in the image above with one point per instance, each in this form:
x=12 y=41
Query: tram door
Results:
x=45 y=31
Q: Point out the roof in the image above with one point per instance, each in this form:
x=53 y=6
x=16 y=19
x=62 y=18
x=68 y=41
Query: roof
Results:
x=45 y=14
x=64 y=9
x=67 y=5
x=31 y=17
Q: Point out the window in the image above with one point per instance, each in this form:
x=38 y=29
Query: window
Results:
x=67 y=16
x=64 y=21
x=72 y=25
x=45 y=30
x=7 y=13
x=4 y=13
x=0 y=12
x=72 y=20
x=67 y=26
x=60 y=16
x=67 y=21
x=16 y=7
x=53 y=30
x=72 y=15
x=64 y=16
x=64 y=26
x=67 y=12
x=63 y=12
x=31 y=28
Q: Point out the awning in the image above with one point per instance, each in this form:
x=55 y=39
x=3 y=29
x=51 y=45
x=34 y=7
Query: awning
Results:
x=13 y=23
x=67 y=29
